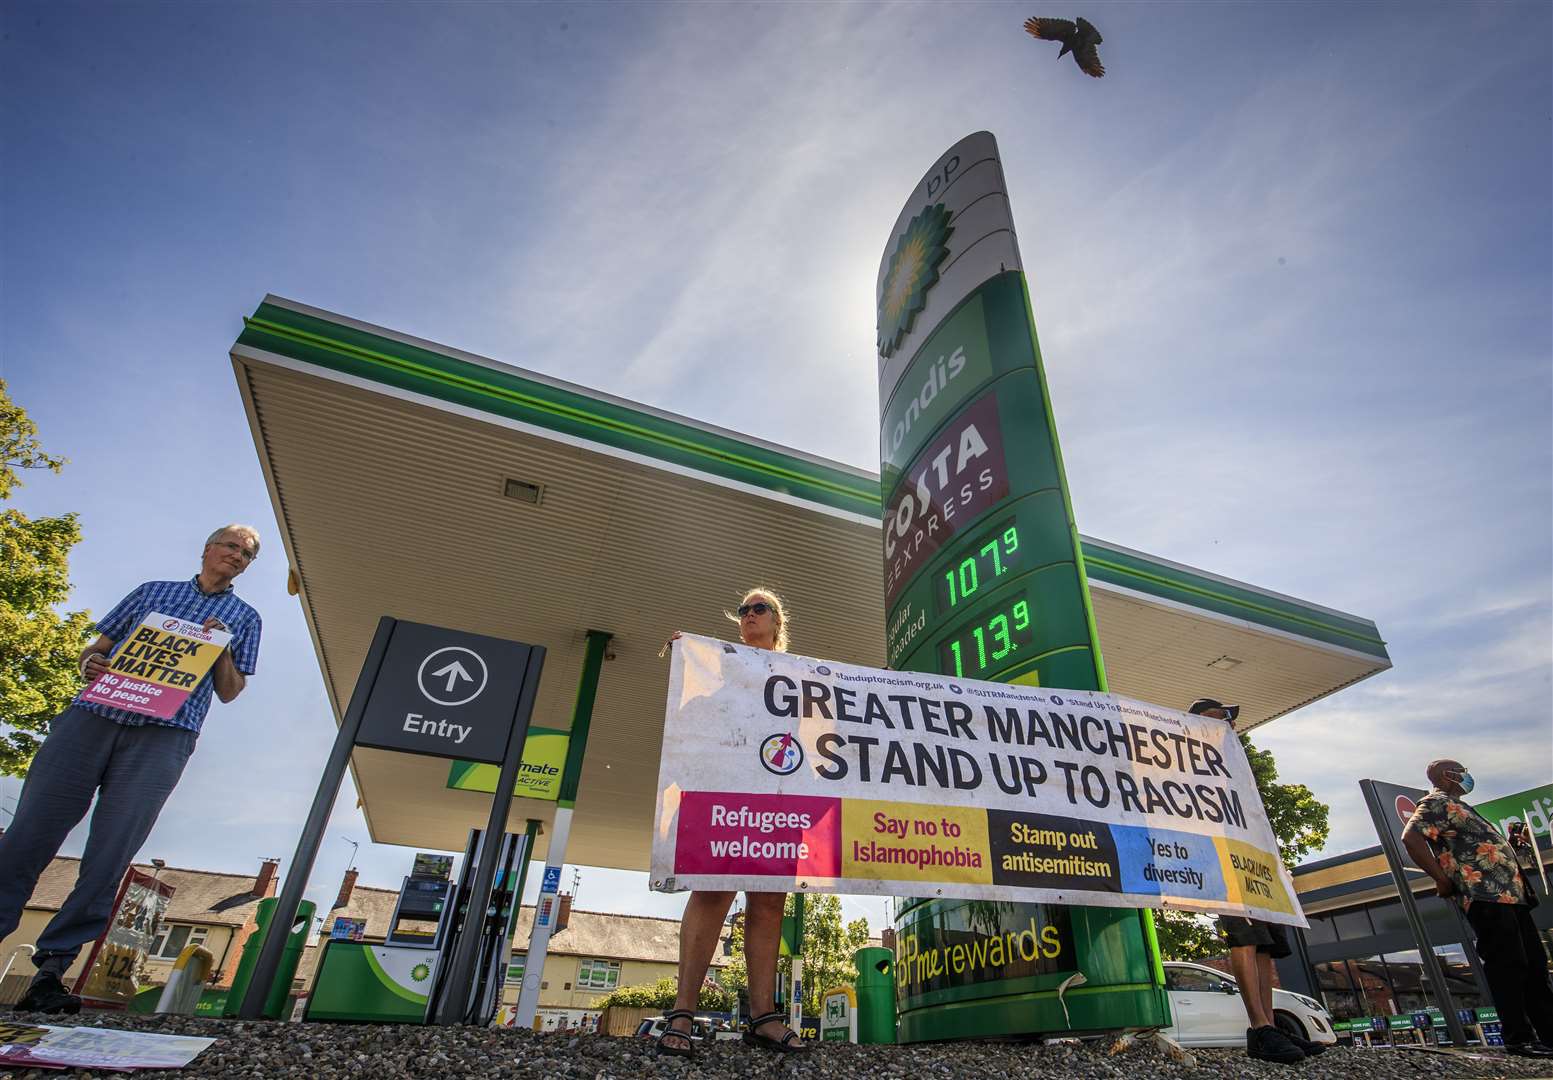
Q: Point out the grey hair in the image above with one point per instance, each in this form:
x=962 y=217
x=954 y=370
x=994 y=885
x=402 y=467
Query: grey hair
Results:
x=248 y=530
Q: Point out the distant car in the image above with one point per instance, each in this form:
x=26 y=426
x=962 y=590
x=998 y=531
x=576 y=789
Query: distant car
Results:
x=654 y=1026
x=1206 y=1007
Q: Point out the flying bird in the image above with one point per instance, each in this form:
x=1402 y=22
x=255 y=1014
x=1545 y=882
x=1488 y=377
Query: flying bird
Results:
x=1079 y=39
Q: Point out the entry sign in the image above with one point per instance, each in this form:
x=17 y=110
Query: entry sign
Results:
x=445 y=693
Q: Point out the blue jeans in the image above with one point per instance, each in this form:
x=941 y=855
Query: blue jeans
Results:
x=132 y=771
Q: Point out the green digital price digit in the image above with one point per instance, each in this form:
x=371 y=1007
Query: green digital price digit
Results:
x=999 y=627
x=1021 y=615
x=997 y=563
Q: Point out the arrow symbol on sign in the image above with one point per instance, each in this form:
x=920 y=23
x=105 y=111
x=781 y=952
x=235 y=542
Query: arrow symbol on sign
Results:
x=454 y=671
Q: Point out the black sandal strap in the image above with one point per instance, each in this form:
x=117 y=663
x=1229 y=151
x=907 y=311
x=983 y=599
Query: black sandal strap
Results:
x=679 y=1014
x=756 y=1021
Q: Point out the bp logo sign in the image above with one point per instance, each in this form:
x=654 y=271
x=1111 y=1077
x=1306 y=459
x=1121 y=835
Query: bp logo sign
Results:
x=913 y=271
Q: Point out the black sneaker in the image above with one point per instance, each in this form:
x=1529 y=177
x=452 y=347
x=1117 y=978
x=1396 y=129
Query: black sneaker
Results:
x=1528 y=1049
x=1270 y=1044
x=1308 y=1048
x=48 y=995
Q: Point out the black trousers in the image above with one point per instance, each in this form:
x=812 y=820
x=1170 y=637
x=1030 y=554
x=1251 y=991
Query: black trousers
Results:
x=1516 y=965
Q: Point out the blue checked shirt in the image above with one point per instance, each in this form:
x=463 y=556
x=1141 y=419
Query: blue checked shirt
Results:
x=185 y=600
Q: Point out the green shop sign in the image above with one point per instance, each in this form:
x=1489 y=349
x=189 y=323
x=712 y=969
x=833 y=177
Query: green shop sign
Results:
x=1534 y=807
x=539 y=776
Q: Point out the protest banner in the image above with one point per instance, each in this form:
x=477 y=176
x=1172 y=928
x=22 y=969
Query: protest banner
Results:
x=156 y=668
x=782 y=773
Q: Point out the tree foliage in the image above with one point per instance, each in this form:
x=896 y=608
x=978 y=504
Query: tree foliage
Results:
x=660 y=995
x=39 y=647
x=1299 y=822
x=828 y=947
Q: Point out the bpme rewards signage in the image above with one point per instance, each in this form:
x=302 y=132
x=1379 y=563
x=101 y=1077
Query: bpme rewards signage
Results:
x=781 y=773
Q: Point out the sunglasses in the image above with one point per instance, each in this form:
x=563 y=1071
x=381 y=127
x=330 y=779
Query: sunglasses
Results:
x=759 y=607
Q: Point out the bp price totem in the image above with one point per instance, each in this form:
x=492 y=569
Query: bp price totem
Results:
x=984 y=579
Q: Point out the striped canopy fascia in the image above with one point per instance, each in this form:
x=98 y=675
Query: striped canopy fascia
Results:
x=331 y=342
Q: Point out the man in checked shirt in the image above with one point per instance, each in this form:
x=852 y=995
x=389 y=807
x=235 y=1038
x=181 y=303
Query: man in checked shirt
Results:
x=130 y=762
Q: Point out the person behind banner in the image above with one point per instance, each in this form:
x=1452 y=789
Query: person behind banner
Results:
x=1467 y=857
x=762 y=624
x=1253 y=946
x=131 y=763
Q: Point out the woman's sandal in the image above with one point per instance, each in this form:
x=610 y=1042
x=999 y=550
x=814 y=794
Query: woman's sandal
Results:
x=791 y=1043
x=688 y=1050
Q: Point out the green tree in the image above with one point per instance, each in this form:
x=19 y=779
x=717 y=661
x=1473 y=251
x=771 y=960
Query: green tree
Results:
x=1299 y=821
x=660 y=995
x=828 y=947
x=39 y=647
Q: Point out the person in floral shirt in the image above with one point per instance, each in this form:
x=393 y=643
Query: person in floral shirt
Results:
x=1467 y=857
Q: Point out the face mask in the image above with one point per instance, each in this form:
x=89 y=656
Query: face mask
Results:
x=1465 y=782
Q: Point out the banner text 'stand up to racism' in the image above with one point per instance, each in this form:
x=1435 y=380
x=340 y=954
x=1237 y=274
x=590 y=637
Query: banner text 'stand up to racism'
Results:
x=781 y=772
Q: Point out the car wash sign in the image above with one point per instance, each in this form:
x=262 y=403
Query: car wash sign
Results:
x=445 y=693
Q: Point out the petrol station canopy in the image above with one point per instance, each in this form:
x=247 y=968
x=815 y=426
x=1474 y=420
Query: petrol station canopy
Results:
x=415 y=480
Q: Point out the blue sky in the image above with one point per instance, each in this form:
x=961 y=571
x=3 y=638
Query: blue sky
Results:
x=1290 y=265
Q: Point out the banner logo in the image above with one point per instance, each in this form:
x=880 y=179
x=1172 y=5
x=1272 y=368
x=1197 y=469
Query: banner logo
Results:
x=781 y=754
x=913 y=271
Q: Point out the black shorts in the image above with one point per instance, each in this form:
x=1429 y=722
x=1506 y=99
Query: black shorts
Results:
x=1270 y=938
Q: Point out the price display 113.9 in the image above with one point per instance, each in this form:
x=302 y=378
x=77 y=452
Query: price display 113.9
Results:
x=989 y=642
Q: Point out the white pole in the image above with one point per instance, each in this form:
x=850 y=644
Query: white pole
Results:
x=545 y=912
x=795 y=1006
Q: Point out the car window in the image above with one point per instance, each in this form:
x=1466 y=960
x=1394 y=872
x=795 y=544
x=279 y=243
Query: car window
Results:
x=1192 y=979
x=644 y=1028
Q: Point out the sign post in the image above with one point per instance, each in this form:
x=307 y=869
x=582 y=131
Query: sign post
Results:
x=984 y=575
x=1388 y=826
x=423 y=690
x=560 y=830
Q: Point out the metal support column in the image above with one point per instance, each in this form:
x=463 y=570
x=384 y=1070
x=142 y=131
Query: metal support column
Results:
x=457 y=1005
x=1431 y=962
x=560 y=831
x=301 y=867
x=795 y=1011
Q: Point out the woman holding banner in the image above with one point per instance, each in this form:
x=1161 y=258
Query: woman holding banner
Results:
x=762 y=625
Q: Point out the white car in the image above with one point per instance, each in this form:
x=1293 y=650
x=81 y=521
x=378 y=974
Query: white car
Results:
x=1206 y=1007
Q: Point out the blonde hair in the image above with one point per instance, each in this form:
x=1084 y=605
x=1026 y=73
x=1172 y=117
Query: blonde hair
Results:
x=770 y=597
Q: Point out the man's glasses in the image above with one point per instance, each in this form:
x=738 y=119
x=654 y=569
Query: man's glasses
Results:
x=248 y=554
x=759 y=607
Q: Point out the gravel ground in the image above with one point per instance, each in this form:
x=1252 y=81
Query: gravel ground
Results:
x=266 y=1049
